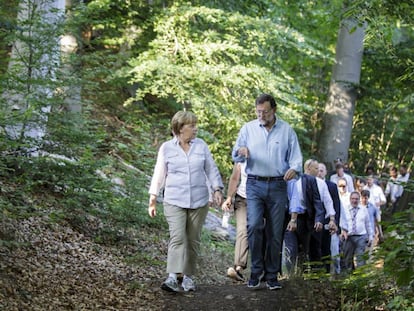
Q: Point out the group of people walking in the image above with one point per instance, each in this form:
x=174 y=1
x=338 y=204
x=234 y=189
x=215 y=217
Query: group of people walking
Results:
x=276 y=205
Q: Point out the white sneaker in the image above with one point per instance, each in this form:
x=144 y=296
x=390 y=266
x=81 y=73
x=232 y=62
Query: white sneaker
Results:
x=170 y=285
x=188 y=284
x=235 y=274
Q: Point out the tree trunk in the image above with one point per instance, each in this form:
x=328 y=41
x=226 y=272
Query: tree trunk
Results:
x=336 y=130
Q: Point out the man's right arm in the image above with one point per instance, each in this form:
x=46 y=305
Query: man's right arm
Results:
x=240 y=152
x=317 y=204
x=232 y=187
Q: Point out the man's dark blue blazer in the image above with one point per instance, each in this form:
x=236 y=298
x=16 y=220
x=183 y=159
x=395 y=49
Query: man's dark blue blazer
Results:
x=314 y=208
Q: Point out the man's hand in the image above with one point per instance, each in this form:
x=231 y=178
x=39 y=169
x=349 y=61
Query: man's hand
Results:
x=243 y=152
x=290 y=174
x=318 y=226
x=218 y=198
x=332 y=226
x=292 y=225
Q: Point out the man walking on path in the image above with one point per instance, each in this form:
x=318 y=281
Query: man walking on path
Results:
x=271 y=148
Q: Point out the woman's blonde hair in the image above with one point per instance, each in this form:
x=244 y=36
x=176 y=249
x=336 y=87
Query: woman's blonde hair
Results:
x=180 y=119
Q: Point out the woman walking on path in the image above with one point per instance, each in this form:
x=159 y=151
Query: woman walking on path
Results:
x=184 y=168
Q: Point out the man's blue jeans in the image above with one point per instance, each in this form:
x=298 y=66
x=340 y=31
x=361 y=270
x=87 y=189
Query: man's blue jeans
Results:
x=266 y=205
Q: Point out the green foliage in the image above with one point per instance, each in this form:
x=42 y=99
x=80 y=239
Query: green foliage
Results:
x=30 y=81
x=74 y=191
x=138 y=62
x=398 y=249
x=65 y=166
x=210 y=59
x=401 y=303
x=364 y=290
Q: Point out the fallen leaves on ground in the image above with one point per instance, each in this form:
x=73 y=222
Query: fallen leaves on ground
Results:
x=54 y=267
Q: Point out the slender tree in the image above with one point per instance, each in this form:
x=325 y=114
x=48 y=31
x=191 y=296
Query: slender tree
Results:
x=336 y=130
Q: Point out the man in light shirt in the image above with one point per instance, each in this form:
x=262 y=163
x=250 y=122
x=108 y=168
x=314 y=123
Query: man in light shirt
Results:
x=377 y=198
x=272 y=151
x=393 y=189
x=343 y=192
x=407 y=196
x=356 y=232
x=373 y=215
x=341 y=174
x=396 y=184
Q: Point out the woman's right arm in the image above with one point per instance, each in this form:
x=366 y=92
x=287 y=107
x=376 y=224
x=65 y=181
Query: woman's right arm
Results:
x=157 y=181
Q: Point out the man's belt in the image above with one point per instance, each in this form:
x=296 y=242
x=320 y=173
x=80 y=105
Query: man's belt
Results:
x=265 y=178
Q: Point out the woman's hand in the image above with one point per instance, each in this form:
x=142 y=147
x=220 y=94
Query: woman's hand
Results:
x=152 y=206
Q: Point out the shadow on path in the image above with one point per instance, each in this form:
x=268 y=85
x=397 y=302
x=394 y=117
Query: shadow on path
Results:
x=295 y=295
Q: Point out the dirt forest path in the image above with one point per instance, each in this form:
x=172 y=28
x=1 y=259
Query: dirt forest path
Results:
x=295 y=295
x=51 y=266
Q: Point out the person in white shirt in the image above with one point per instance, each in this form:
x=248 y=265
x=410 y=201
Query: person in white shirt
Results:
x=373 y=215
x=341 y=174
x=330 y=240
x=404 y=176
x=394 y=188
x=377 y=198
x=356 y=233
x=360 y=183
x=343 y=192
x=236 y=192
x=407 y=195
